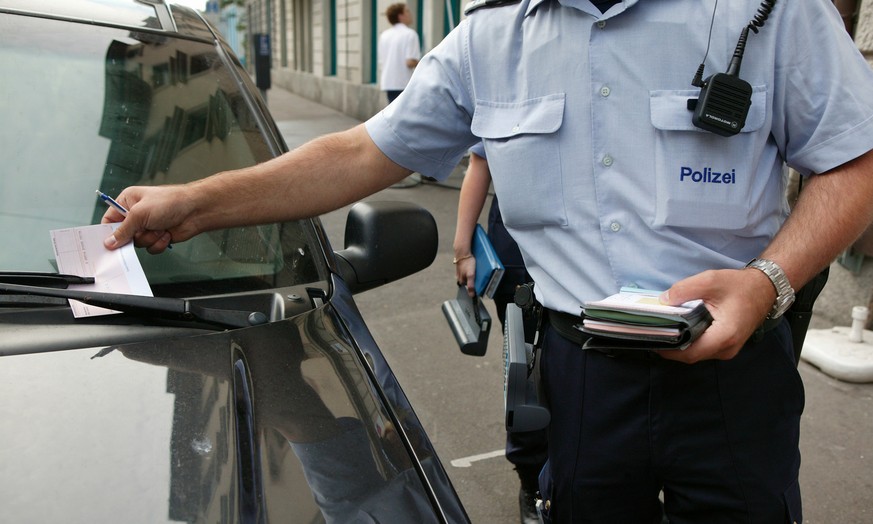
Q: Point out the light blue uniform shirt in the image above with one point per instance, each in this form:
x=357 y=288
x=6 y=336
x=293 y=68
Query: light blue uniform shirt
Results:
x=479 y=149
x=602 y=178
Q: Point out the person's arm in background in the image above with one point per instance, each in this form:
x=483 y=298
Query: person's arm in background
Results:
x=832 y=211
x=320 y=176
x=474 y=190
x=413 y=51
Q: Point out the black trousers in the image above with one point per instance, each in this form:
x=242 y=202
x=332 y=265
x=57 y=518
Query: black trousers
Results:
x=391 y=95
x=720 y=438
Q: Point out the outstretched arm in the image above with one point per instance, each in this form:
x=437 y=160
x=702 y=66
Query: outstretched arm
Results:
x=320 y=176
x=832 y=211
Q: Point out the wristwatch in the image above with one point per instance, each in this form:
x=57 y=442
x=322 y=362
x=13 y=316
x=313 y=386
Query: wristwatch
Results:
x=784 y=292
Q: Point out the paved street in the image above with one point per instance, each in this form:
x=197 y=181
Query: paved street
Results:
x=459 y=398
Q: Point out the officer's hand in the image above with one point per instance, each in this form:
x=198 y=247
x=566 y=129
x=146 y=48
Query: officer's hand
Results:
x=465 y=273
x=156 y=217
x=738 y=300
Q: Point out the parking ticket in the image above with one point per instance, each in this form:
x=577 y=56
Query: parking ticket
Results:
x=80 y=251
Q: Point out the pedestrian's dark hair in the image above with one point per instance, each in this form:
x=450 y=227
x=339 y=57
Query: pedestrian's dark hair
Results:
x=394 y=11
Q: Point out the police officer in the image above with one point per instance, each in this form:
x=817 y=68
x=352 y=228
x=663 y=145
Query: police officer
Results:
x=585 y=118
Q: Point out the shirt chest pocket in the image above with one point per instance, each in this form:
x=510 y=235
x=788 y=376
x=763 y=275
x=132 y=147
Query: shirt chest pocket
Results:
x=704 y=180
x=524 y=155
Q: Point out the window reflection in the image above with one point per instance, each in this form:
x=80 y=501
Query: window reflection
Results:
x=90 y=108
x=163 y=109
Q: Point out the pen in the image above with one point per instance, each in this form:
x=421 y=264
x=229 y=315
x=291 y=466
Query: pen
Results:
x=112 y=203
x=109 y=201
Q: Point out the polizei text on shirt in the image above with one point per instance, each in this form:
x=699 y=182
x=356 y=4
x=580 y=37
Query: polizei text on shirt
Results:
x=707 y=176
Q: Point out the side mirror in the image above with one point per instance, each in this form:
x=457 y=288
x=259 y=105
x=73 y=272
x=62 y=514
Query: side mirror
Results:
x=384 y=242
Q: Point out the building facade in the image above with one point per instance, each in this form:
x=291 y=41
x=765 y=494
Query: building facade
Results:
x=325 y=50
x=228 y=17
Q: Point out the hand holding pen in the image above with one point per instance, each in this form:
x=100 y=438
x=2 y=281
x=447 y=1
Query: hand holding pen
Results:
x=109 y=201
x=156 y=246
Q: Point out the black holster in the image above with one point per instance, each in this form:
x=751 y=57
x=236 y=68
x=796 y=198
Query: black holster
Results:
x=800 y=313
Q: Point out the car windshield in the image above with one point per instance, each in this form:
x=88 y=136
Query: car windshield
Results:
x=86 y=108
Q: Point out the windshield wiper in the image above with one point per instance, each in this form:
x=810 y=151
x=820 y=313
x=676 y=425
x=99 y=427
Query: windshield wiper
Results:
x=156 y=307
x=36 y=278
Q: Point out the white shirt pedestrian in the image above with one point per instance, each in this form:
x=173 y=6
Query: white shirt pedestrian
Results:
x=399 y=52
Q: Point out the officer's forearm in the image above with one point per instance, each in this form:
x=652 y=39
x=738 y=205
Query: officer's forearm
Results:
x=320 y=176
x=833 y=209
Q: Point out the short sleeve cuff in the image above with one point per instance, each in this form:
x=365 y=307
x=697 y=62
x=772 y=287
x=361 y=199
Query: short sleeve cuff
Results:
x=394 y=147
x=836 y=151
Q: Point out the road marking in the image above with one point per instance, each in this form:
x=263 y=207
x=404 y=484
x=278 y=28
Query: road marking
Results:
x=466 y=462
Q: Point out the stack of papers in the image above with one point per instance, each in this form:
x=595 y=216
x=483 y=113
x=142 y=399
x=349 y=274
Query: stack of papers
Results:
x=635 y=319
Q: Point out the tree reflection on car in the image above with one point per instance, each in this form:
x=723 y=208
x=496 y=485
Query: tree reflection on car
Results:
x=351 y=480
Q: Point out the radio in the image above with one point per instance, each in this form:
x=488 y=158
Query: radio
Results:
x=725 y=98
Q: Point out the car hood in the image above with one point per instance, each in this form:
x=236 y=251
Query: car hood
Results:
x=275 y=422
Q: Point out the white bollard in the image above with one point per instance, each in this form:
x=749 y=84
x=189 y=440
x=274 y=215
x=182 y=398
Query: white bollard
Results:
x=859 y=320
x=843 y=352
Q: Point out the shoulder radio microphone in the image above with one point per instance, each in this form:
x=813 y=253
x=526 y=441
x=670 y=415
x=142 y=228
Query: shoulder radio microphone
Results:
x=723 y=104
x=725 y=98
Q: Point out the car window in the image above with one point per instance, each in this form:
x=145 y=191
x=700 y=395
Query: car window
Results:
x=90 y=108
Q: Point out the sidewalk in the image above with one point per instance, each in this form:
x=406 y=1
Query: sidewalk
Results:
x=301 y=120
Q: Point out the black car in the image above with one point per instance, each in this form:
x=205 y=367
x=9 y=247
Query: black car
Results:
x=248 y=388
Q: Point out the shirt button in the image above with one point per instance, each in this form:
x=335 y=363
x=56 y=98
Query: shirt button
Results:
x=604 y=91
x=515 y=128
x=615 y=227
x=601 y=24
x=607 y=161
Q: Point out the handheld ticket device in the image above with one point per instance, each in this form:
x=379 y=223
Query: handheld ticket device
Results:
x=523 y=411
x=469 y=321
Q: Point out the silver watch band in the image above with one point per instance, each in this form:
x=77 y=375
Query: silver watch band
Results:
x=784 y=291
